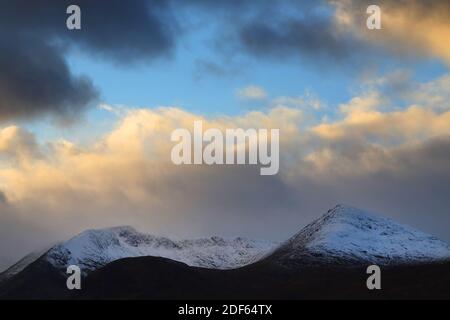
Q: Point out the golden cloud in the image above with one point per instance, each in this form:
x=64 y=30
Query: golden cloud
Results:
x=411 y=27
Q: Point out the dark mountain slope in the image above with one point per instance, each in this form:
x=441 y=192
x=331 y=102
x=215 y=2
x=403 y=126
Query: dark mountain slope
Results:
x=39 y=280
x=158 y=278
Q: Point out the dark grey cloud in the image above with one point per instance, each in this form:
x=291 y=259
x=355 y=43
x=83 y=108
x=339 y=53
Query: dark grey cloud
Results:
x=278 y=30
x=124 y=31
x=35 y=79
x=127 y=33
x=312 y=37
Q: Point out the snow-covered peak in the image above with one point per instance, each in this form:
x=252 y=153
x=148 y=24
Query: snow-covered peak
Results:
x=92 y=249
x=349 y=235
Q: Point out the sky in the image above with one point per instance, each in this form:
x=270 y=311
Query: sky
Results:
x=86 y=115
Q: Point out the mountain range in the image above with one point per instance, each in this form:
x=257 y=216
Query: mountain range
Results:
x=326 y=259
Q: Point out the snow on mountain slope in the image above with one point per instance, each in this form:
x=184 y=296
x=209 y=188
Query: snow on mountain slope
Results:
x=95 y=248
x=349 y=235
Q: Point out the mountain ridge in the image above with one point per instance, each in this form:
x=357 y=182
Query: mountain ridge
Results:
x=339 y=244
x=94 y=248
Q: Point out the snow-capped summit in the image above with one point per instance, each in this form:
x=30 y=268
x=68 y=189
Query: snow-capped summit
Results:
x=346 y=235
x=93 y=249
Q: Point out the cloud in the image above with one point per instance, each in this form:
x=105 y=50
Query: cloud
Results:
x=18 y=144
x=36 y=80
x=293 y=37
x=372 y=114
x=307 y=100
x=411 y=28
x=331 y=33
x=106 y=28
x=252 y=93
